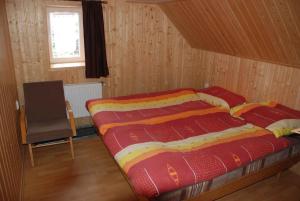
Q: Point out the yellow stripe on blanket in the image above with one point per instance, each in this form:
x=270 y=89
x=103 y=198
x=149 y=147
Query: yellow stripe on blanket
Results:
x=136 y=153
x=143 y=103
x=161 y=119
x=241 y=109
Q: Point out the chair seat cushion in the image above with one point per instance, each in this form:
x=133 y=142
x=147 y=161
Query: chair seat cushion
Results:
x=48 y=130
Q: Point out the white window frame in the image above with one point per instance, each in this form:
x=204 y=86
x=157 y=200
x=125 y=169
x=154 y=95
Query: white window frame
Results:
x=73 y=61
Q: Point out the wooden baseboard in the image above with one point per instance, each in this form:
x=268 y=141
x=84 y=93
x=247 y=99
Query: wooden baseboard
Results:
x=22 y=182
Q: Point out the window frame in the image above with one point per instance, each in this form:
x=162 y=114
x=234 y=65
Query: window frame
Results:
x=63 y=7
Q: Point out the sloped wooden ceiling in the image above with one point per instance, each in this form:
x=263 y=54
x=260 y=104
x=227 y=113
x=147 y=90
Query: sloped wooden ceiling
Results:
x=267 y=30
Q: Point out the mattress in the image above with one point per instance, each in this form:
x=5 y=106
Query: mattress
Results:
x=171 y=145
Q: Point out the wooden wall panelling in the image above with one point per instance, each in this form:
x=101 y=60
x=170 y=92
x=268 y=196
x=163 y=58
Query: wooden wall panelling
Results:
x=147 y=53
x=260 y=29
x=10 y=149
x=142 y=47
x=258 y=81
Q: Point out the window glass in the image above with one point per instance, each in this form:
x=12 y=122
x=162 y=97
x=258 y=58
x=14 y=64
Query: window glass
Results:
x=65 y=34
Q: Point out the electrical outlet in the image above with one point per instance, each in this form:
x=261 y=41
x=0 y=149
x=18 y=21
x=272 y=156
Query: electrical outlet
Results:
x=206 y=85
x=17 y=105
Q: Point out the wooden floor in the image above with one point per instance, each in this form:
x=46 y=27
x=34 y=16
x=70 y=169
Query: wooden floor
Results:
x=93 y=176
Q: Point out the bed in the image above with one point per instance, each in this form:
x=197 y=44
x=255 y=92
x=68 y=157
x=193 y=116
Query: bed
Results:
x=185 y=144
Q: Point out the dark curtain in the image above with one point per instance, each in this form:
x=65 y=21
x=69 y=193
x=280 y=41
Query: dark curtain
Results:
x=94 y=39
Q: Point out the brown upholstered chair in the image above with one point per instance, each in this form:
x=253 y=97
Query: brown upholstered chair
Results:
x=45 y=116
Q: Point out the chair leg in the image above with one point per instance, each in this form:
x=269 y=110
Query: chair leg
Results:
x=71 y=146
x=31 y=154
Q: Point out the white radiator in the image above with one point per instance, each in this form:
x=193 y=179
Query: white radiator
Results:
x=78 y=94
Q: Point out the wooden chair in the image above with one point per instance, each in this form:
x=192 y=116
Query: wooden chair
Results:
x=44 y=120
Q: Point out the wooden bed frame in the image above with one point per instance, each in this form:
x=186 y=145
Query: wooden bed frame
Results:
x=232 y=186
x=248 y=180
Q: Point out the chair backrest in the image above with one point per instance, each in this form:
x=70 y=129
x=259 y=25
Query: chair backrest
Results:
x=44 y=101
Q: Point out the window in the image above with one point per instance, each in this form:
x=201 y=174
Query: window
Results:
x=65 y=33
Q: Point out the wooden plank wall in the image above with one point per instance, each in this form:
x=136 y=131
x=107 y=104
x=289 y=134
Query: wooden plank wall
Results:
x=257 y=81
x=146 y=53
x=10 y=149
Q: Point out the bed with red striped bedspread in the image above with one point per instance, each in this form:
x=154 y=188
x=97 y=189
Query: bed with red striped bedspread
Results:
x=169 y=140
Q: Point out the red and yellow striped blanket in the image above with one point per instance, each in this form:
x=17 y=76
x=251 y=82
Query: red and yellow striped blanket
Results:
x=108 y=113
x=169 y=140
x=277 y=118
